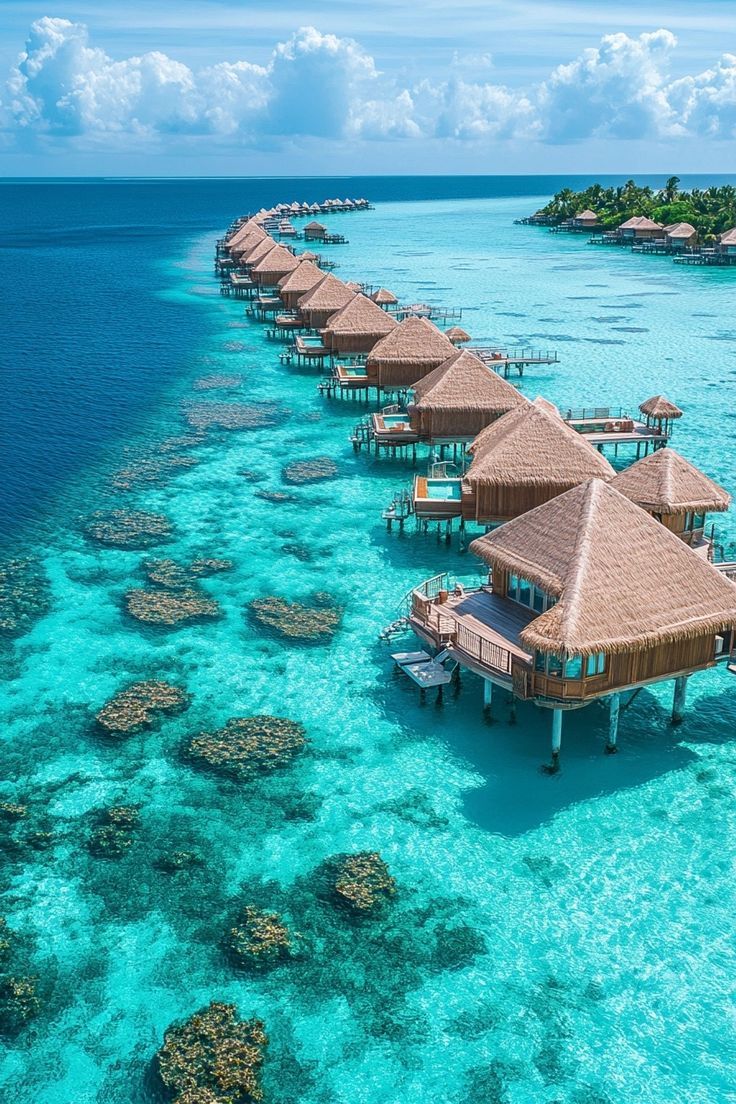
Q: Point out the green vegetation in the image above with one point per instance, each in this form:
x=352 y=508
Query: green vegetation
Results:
x=710 y=210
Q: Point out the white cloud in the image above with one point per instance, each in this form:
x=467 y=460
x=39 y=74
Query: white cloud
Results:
x=321 y=86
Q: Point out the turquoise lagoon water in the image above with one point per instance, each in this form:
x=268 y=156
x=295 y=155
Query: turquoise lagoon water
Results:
x=564 y=938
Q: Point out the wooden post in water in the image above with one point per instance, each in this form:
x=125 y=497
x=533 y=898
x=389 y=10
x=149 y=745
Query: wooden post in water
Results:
x=487 y=695
x=678 y=702
x=614 y=704
x=556 y=737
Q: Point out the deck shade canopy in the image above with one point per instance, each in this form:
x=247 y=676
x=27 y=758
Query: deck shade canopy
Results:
x=457 y=335
x=666 y=483
x=660 y=409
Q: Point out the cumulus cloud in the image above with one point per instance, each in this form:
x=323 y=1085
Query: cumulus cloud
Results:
x=322 y=86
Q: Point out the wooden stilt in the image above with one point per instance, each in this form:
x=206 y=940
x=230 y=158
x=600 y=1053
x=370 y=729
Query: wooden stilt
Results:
x=614 y=703
x=487 y=695
x=556 y=737
x=679 y=699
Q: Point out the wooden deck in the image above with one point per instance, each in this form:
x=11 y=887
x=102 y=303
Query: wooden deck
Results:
x=639 y=434
x=490 y=617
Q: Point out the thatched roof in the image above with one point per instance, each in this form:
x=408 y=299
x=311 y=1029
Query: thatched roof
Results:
x=361 y=316
x=247 y=228
x=316 y=226
x=680 y=230
x=302 y=278
x=532 y=446
x=329 y=294
x=660 y=407
x=257 y=252
x=640 y=222
x=587 y=215
x=623 y=581
x=666 y=483
x=464 y=383
x=728 y=237
x=384 y=298
x=457 y=335
x=413 y=341
x=277 y=262
x=248 y=241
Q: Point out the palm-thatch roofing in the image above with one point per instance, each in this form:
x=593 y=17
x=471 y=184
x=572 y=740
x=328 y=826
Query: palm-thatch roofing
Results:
x=640 y=222
x=408 y=352
x=327 y=296
x=247 y=241
x=361 y=321
x=250 y=226
x=666 y=483
x=253 y=254
x=660 y=408
x=276 y=263
x=301 y=279
x=623 y=581
x=680 y=230
x=316 y=226
x=457 y=335
x=728 y=237
x=586 y=216
x=384 y=298
x=533 y=447
x=461 y=397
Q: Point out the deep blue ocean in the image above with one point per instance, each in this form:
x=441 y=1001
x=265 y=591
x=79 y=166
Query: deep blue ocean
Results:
x=565 y=939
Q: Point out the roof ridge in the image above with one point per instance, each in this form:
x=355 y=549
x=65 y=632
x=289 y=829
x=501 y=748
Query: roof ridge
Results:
x=580 y=559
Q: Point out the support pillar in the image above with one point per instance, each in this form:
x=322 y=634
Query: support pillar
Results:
x=487 y=694
x=614 y=705
x=556 y=737
x=678 y=702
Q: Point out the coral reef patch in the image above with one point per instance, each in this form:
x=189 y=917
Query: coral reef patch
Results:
x=136 y=707
x=246 y=746
x=314 y=622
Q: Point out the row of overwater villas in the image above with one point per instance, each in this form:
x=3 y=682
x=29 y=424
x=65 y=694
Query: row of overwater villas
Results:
x=640 y=229
x=598 y=581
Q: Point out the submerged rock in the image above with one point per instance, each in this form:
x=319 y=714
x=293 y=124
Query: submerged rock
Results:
x=248 y=745
x=362 y=881
x=150 y=470
x=276 y=496
x=213 y=1058
x=259 y=938
x=19 y=1002
x=128 y=528
x=23 y=595
x=221 y=415
x=11 y=810
x=169 y=607
x=112 y=837
x=135 y=707
x=316 y=622
x=169 y=574
x=310 y=471
x=217 y=383
x=175 y=861
x=209 y=565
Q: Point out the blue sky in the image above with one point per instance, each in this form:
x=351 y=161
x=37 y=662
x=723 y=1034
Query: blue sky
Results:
x=218 y=87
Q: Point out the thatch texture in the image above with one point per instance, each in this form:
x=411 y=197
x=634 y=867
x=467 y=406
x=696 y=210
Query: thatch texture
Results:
x=273 y=266
x=728 y=238
x=256 y=253
x=586 y=216
x=624 y=583
x=250 y=227
x=526 y=458
x=314 y=231
x=357 y=326
x=461 y=397
x=680 y=231
x=666 y=483
x=660 y=408
x=384 y=298
x=457 y=335
x=298 y=282
x=641 y=224
x=412 y=349
x=247 y=243
x=324 y=300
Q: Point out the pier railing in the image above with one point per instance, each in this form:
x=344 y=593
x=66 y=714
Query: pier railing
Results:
x=585 y=413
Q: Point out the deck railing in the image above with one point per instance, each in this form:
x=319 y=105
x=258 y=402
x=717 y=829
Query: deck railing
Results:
x=583 y=413
x=485 y=651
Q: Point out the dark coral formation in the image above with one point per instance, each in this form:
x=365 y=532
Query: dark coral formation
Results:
x=213 y=1058
x=169 y=574
x=217 y=383
x=315 y=622
x=128 y=528
x=248 y=745
x=276 y=496
x=23 y=595
x=12 y=810
x=310 y=471
x=362 y=881
x=134 y=708
x=113 y=835
x=259 y=938
x=174 y=861
x=19 y=1002
x=157 y=606
x=209 y=565
x=233 y=415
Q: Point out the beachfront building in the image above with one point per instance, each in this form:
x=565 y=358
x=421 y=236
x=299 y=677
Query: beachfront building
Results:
x=588 y=598
x=458 y=399
x=385 y=298
x=586 y=220
x=676 y=493
x=315 y=231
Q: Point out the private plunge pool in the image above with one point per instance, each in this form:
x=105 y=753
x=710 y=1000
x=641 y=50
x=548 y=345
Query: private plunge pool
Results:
x=437 y=497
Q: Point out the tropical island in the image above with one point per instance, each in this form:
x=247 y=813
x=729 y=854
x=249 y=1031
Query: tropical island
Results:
x=699 y=225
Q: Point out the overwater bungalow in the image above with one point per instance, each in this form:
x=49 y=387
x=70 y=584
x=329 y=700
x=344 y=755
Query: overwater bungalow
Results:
x=457 y=335
x=250 y=228
x=727 y=243
x=251 y=254
x=246 y=243
x=298 y=282
x=586 y=220
x=273 y=266
x=676 y=493
x=589 y=598
x=323 y=300
x=409 y=352
x=639 y=228
x=356 y=327
x=680 y=235
x=315 y=231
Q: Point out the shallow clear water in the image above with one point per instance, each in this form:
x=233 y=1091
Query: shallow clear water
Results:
x=553 y=939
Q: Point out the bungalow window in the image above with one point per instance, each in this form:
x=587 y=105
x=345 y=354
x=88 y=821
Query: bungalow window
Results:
x=698 y=521
x=595 y=665
x=574 y=667
x=539 y=600
x=554 y=665
x=525 y=593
